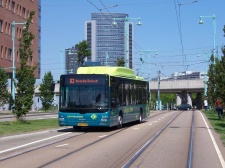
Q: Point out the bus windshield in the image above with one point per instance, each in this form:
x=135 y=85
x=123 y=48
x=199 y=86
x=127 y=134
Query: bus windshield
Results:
x=84 y=98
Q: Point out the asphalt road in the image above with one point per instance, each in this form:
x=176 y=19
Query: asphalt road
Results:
x=94 y=147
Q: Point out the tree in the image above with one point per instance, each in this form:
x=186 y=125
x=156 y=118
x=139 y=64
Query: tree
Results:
x=216 y=81
x=120 y=62
x=46 y=95
x=5 y=96
x=211 y=83
x=82 y=52
x=25 y=73
x=220 y=75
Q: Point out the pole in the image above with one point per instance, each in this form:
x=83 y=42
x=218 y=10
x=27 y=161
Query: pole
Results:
x=159 y=91
x=141 y=62
x=13 y=60
x=13 y=63
x=61 y=57
x=214 y=38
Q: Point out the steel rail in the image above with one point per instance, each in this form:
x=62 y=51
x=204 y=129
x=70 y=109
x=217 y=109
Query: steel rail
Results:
x=131 y=161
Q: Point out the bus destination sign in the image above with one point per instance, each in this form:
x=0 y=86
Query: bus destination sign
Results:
x=85 y=81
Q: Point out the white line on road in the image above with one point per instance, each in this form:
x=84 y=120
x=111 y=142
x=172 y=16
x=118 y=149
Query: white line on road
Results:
x=10 y=149
x=102 y=136
x=214 y=143
x=61 y=145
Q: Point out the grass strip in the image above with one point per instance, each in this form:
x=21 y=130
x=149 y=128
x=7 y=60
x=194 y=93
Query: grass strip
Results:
x=218 y=124
x=24 y=126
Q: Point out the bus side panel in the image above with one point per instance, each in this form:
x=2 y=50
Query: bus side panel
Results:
x=87 y=119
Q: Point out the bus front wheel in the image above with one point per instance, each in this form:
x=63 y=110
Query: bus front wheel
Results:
x=76 y=128
x=120 y=121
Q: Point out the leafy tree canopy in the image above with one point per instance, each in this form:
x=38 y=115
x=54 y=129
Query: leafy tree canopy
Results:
x=46 y=94
x=120 y=62
x=82 y=52
x=25 y=73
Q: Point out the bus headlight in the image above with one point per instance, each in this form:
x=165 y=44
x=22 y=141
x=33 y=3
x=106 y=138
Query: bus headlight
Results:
x=61 y=119
x=104 y=119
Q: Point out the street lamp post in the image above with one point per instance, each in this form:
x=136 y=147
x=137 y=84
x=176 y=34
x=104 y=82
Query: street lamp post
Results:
x=214 y=32
x=206 y=58
x=214 y=39
x=13 y=58
x=158 y=98
x=126 y=20
x=149 y=53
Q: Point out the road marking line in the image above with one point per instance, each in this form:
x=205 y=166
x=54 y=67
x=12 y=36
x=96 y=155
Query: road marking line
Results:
x=10 y=149
x=61 y=145
x=149 y=124
x=214 y=143
x=102 y=136
x=135 y=128
x=156 y=121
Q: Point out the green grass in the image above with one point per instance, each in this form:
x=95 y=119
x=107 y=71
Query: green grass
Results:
x=22 y=126
x=218 y=124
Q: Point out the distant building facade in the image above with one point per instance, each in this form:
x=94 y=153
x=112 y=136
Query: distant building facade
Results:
x=18 y=11
x=71 y=60
x=107 y=42
x=183 y=75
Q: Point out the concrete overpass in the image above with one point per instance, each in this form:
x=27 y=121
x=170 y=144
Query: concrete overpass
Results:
x=183 y=90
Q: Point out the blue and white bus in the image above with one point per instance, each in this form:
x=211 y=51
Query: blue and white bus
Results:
x=103 y=97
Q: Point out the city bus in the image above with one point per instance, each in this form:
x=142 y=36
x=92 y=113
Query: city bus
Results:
x=102 y=97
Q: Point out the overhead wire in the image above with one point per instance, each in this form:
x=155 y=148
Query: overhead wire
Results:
x=138 y=47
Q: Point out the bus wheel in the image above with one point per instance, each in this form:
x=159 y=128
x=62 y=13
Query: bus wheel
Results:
x=120 y=121
x=140 y=117
x=76 y=128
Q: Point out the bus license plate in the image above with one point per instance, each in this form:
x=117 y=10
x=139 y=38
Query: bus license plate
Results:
x=83 y=124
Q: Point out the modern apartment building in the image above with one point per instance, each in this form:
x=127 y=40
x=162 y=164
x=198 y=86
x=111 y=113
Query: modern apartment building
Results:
x=17 y=11
x=107 y=41
x=71 y=65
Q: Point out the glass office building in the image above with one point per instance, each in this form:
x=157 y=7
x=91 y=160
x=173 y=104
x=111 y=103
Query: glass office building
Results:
x=108 y=42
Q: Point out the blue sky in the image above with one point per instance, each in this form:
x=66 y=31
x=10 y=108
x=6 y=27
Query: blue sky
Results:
x=62 y=26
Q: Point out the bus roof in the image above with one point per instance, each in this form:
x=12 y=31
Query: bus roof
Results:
x=112 y=71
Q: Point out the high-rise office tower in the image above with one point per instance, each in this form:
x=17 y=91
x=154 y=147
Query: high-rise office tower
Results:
x=109 y=42
x=71 y=60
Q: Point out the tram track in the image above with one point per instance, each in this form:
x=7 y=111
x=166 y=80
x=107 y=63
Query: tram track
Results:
x=157 y=134
x=131 y=159
x=52 y=143
x=148 y=143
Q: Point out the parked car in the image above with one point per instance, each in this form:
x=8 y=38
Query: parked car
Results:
x=184 y=107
